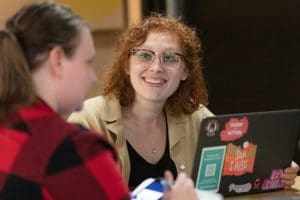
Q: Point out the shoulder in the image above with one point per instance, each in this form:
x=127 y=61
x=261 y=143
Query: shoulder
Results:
x=95 y=110
x=95 y=104
x=202 y=112
x=195 y=117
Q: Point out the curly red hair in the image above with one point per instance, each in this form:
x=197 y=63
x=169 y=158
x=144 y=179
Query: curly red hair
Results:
x=190 y=93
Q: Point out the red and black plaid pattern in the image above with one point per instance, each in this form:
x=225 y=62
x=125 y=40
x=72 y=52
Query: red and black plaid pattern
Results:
x=43 y=157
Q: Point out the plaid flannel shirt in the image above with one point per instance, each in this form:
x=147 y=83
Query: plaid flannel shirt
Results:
x=43 y=157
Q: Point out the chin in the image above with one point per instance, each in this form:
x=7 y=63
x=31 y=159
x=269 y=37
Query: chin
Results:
x=73 y=109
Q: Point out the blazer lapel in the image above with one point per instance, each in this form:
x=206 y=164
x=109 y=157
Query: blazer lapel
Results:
x=177 y=130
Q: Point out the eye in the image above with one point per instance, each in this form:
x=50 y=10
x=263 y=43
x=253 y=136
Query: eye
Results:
x=145 y=55
x=169 y=58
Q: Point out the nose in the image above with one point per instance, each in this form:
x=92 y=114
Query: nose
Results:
x=156 y=65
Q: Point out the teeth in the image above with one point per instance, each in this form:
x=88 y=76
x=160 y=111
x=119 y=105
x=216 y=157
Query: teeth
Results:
x=153 y=81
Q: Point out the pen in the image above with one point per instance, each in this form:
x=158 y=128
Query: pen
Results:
x=166 y=184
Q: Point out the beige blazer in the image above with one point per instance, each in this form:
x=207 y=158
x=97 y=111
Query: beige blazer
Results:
x=104 y=115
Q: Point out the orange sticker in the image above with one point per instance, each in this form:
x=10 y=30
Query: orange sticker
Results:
x=239 y=161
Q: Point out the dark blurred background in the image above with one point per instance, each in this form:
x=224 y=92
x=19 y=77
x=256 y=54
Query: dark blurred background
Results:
x=251 y=51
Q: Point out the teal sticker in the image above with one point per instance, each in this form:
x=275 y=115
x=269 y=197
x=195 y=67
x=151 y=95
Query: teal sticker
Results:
x=210 y=168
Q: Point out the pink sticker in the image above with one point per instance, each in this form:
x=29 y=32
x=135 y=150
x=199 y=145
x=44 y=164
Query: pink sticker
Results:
x=274 y=182
x=235 y=129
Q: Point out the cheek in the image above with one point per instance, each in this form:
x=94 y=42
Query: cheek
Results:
x=86 y=72
x=185 y=74
x=177 y=80
x=92 y=74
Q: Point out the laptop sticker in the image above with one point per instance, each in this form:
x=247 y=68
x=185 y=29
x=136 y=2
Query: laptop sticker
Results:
x=240 y=188
x=234 y=129
x=238 y=160
x=212 y=127
x=210 y=168
x=256 y=184
x=274 y=182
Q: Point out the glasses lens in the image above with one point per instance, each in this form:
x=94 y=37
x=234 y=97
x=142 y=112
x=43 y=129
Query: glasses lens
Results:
x=145 y=56
x=170 y=60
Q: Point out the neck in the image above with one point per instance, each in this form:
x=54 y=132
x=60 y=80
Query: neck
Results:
x=44 y=87
x=144 y=112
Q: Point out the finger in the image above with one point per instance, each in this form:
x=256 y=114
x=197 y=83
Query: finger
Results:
x=169 y=176
x=294 y=164
x=288 y=176
x=180 y=179
x=190 y=183
x=287 y=187
x=183 y=179
x=291 y=170
x=167 y=195
x=288 y=183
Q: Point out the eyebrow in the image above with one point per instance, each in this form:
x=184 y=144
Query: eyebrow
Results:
x=168 y=50
x=165 y=49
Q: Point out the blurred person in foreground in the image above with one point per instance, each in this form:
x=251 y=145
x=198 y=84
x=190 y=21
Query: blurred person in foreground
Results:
x=46 y=53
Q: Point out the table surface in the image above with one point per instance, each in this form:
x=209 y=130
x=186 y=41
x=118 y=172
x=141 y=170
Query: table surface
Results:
x=294 y=193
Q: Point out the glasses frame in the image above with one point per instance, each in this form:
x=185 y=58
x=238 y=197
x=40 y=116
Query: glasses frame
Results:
x=135 y=50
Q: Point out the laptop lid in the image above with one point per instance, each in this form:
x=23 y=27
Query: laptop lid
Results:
x=246 y=152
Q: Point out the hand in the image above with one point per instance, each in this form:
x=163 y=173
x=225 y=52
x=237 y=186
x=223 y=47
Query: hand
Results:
x=289 y=175
x=183 y=188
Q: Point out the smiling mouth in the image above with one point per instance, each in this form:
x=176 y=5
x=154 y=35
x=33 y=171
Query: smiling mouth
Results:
x=154 y=81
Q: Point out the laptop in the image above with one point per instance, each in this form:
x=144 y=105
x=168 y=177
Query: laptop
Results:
x=245 y=153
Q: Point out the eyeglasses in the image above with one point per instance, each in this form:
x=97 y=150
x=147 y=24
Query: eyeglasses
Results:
x=146 y=57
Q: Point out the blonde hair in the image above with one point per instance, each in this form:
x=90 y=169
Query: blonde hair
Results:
x=16 y=89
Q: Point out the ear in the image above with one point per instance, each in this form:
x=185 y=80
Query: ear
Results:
x=55 y=59
x=127 y=68
x=185 y=74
